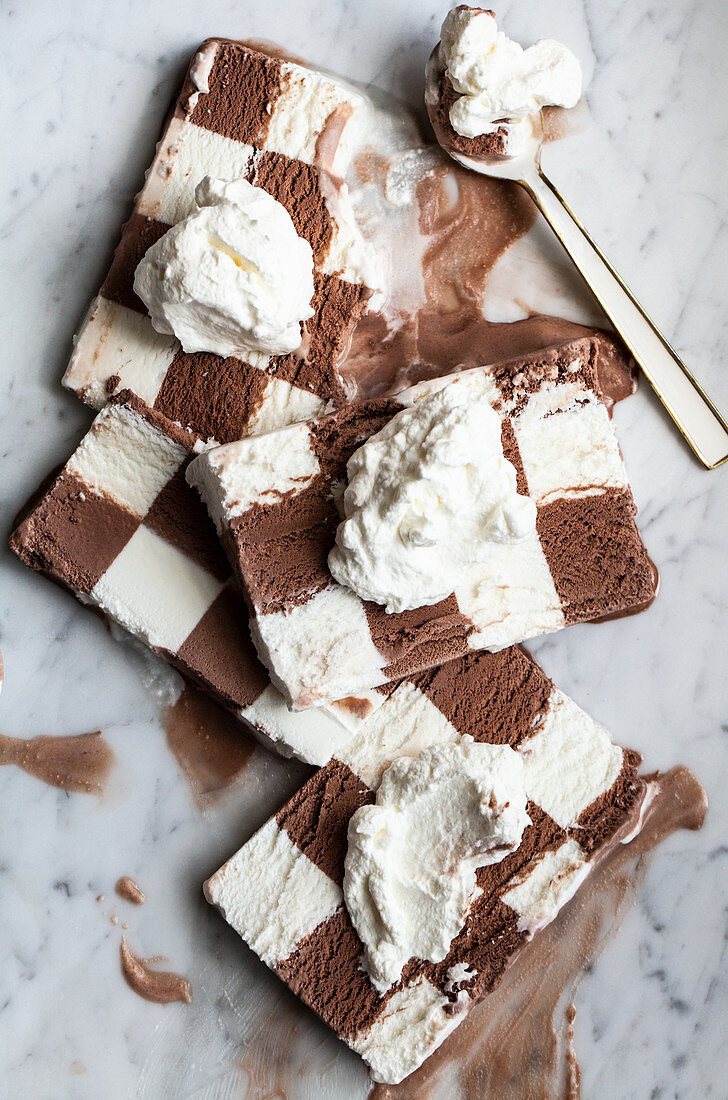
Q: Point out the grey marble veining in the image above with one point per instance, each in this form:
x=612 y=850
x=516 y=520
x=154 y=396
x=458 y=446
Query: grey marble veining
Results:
x=86 y=88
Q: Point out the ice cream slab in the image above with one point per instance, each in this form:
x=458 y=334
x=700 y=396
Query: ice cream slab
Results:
x=276 y=500
x=282 y=892
x=295 y=133
x=240 y=114
x=121 y=528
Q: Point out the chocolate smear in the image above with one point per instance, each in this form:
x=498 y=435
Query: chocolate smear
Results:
x=79 y=763
x=127 y=889
x=518 y=1042
x=268 y=1057
x=464 y=237
x=328 y=141
x=573 y=1073
x=467 y=237
x=211 y=746
x=160 y=986
x=564 y=122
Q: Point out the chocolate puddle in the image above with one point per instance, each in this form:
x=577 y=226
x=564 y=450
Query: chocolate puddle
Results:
x=431 y=343
x=80 y=763
x=211 y=746
x=469 y=235
x=160 y=986
x=127 y=889
x=467 y=223
x=517 y=1045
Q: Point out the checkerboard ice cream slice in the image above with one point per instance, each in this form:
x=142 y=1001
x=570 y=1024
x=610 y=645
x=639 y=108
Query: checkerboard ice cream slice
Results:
x=244 y=114
x=276 y=498
x=282 y=892
x=121 y=528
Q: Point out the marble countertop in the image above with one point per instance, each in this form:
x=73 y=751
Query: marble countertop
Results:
x=85 y=94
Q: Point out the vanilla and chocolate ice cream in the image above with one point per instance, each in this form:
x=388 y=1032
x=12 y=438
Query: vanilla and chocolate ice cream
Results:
x=291 y=127
x=462 y=798
x=284 y=891
x=121 y=528
x=277 y=503
x=241 y=115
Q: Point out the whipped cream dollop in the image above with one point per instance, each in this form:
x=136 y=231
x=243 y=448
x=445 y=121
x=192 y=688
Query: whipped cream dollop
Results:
x=498 y=79
x=427 y=496
x=409 y=872
x=233 y=278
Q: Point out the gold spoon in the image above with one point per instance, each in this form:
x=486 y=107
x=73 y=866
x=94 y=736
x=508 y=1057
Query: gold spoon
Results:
x=697 y=418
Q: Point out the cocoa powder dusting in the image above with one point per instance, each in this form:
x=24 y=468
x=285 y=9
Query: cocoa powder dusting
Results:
x=211 y=745
x=127 y=889
x=517 y=1045
x=79 y=763
x=160 y=986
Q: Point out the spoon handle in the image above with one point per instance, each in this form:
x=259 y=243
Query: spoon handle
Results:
x=693 y=412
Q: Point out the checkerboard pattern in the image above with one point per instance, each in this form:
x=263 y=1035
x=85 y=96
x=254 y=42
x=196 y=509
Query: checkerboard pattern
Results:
x=121 y=528
x=276 y=502
x=282 y=892
x=283 y=127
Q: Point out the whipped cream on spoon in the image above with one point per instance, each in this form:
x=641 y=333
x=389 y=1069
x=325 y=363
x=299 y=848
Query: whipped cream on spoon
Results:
x=467 y=107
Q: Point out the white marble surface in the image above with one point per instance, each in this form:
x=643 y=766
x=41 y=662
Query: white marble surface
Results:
x=86 y=87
